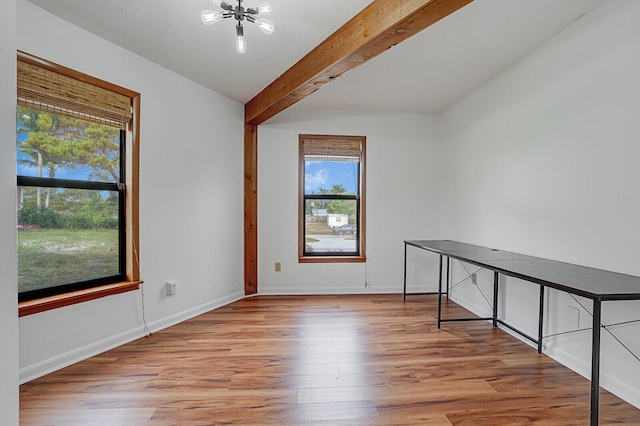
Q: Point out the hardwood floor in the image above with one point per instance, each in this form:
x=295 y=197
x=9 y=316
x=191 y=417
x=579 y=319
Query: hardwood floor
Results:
x=330 y=360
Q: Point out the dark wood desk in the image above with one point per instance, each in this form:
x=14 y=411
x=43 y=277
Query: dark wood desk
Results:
x=595 y=284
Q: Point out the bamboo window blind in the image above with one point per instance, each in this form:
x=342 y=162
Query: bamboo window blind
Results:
x=331 y=149
x=46 y=90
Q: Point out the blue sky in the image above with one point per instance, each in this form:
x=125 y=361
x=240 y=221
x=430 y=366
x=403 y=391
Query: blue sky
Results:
x=79 y=173
x=325 y=174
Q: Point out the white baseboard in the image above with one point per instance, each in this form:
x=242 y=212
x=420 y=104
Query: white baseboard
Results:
x=179 y=317
x=50 y=365
x=480 y=310
x=66 y=359
x=607 y=381
x=411 y=289
x=289 y=291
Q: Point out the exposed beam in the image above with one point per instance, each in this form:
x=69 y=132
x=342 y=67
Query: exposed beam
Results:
x=250 y=209
x=381 y=25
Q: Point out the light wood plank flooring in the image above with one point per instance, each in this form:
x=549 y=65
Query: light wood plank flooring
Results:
x=329 y=360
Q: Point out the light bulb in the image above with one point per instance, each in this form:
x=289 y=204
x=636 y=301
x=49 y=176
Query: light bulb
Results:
x=210 y=16
x=264 y=8
x=241 y=45
x=265 y=25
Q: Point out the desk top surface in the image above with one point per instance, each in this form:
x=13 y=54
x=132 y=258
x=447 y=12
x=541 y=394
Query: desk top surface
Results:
x=581 y=280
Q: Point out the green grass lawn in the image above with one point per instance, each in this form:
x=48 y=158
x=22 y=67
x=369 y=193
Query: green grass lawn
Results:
x=50 y=257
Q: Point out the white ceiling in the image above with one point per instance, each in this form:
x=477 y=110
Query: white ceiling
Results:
x=427 y=73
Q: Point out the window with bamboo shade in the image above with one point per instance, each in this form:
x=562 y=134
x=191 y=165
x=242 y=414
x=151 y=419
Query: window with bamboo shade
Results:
x=331 y=198
x=77 y=180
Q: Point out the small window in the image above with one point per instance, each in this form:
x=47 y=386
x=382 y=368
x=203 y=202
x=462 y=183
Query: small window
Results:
x=75 y=202
x=331 y=220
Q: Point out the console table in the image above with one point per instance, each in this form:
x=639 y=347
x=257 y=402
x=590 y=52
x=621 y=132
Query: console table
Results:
x=595 y=284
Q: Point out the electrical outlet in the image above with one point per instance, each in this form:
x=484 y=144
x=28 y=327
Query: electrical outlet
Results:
x=170 y=288
x=474 y=278
x=278 y=266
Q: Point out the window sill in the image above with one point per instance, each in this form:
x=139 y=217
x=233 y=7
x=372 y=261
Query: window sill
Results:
x=53 y=302
x=332 y=259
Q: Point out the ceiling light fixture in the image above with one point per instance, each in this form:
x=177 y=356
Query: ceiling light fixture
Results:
x=239 y=13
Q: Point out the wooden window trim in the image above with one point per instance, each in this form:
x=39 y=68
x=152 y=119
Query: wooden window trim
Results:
x=361 y=257
x=132 y=182
x=35 y=306
x=332 y=259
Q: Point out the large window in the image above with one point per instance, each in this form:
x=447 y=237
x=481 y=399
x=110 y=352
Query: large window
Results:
x=76 y=210
x=331 y=218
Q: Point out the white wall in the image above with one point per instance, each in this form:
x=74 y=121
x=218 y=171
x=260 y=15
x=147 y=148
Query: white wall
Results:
x=401 y=181
x=191 y=200
x=547 y=164
x=8 y=258
x=544 y=155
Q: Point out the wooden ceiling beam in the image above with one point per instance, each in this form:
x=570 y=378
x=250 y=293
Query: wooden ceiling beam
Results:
x=381 y=25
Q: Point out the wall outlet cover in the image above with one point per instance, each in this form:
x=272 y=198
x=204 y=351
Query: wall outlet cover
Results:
x=170 y=288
